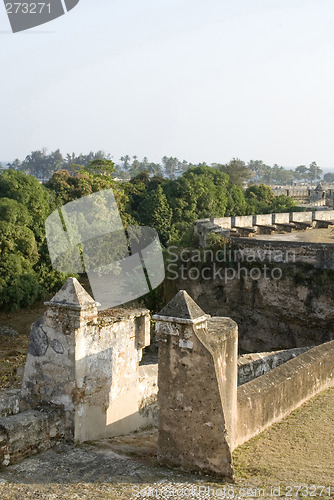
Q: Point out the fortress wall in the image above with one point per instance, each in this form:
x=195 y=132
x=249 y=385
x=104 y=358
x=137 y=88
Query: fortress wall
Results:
x=242 y=221
x=281 y=218
x=319 y=255
x=264 y=219
x=301 y=217
x=224 y=222
x=273 y=396
x=323 y=215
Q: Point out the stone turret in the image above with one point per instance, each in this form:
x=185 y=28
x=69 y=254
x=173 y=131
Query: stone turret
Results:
x=197 y=388
x=49 y=376
x=87 y=363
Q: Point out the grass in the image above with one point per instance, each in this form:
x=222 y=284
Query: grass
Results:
x=298 y=450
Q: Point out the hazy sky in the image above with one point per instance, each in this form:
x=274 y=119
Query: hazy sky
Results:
x=200 y=80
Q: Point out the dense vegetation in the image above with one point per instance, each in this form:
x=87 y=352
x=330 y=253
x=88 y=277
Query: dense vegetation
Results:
x=170 y=205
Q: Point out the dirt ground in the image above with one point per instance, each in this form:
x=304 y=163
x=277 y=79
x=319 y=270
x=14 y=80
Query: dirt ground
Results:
x=13 y=350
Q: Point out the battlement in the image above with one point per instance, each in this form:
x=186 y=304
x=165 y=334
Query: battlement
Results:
x=253 y=225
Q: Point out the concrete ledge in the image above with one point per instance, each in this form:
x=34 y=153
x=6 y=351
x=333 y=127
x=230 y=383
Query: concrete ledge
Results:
x=273 y=396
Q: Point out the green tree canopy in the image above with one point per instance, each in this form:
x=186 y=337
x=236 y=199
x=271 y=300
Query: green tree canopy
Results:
x=259 y=199
x=237 y=171
x=155 y=212
x=26 y=190
x=14 y=212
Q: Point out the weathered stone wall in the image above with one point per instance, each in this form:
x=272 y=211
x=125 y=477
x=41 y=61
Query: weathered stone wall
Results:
x=251 y=366
x=9 y=402
x=107 y=374
x=197 y=389
x=222 y=225
x=301 y=216
x=87 y=363
x=241 y=221
x=147 y=394
x=30 y=432
x=294 y=311
x=318 y=255
x=265 y=219
x=271 y=397
x=283 y=218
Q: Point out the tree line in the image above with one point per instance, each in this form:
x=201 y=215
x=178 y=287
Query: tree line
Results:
x=43 y=164
x=169 y=205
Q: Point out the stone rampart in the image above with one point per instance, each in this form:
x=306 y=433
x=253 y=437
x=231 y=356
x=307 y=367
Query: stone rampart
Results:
x=229 y=225
x=318 y=255
x=268 y=399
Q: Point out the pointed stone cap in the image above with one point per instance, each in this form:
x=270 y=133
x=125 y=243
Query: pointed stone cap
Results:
x=319 y=187
x=73 y=296
x=182 y=307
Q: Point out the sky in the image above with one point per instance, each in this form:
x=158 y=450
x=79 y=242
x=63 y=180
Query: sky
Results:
x=202 y=81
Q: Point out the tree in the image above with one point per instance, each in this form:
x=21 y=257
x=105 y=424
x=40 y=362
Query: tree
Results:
x=329 y=177
x=101 y=166
x=84 y=159
x=314 y=172
x=170 y=166
x=25 y=269
x=15 y=165
x=301 y=172
x=14 y=212
x=281 y=204
x=199 y=192
x=236 y=202
x=259 y=199
x=155 y=211
x=258 y=168
x=26 y=190
x=19 y=284
x=42 y=165
x=237 y=171
x=126 y=162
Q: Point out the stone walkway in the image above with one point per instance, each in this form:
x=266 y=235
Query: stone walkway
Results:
x=93 y=472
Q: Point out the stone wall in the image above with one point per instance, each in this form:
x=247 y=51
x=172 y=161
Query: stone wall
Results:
x=240 y=221
x=283 y=218
x=251 y=366
x=318 y=255
x=197 y=356
x=30 y=432
x=294 y=311
x=87 y=363
x=108 y=352
x=304 y=216
x=222 y=224
x=271 y=397
x=265 y=219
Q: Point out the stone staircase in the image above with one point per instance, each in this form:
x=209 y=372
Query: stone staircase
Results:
x=28 y=432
